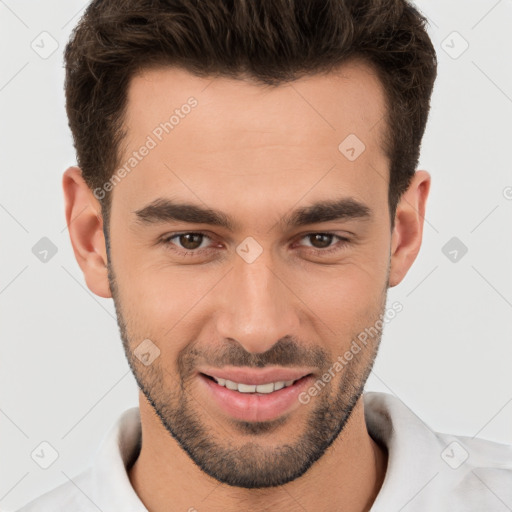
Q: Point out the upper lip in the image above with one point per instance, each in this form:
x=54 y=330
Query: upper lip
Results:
x=256 y=376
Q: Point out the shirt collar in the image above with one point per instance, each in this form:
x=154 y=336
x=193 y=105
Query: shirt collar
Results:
x=120 y=448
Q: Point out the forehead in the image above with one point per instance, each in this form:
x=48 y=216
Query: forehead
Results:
x=223 y=137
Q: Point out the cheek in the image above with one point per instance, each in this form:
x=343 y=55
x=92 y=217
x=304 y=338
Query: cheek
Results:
x=163 y=303
x=348 y=301
x=347 y=297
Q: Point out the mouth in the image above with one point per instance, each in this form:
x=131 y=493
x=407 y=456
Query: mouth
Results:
x=254 y=395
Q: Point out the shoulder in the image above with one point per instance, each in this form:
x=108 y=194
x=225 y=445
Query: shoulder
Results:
x=71 y=495
x=477 y=473
x=430 y=470
x=105 y=485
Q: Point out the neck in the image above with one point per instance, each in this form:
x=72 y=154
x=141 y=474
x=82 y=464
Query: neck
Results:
x=351 y=473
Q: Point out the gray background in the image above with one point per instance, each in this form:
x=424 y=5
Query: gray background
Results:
x=447 y=355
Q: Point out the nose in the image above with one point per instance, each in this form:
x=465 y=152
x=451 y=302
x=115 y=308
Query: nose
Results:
x=257 y=307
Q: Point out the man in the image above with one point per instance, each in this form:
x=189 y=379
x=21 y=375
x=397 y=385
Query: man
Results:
x=246 y=193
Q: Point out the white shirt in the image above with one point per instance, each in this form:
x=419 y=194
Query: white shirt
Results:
x=427 y=471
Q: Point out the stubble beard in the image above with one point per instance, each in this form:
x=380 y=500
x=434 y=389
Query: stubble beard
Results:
x=248 y=463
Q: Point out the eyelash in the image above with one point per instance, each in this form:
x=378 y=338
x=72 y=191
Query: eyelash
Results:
x=166 y=241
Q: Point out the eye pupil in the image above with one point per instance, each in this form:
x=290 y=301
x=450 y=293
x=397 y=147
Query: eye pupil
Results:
x=186 y=242
x=317 y=237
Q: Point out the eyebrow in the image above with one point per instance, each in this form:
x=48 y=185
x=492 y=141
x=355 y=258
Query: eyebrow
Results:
x=163 y=210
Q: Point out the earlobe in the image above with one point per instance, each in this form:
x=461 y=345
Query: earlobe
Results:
x=408 y=230
x=85 y=226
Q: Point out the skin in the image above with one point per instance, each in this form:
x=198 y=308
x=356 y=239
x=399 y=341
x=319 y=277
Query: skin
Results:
x=254 y=153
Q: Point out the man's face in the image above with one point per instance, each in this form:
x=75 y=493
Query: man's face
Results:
x=262 y=298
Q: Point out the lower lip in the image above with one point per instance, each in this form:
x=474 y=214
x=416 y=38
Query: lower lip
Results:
x=255 y=406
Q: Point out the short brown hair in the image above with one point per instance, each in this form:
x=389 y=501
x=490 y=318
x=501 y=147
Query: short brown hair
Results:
x=270 y=41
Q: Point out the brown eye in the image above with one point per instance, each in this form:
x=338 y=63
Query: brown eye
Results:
x=187 y=243
x=190 y=241
x=320 y=240
x=322 y=243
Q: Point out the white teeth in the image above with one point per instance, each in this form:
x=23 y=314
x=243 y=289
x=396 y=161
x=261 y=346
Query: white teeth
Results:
x=231 y=385
x=265 y=388
x=247 y=388
x=253 y=388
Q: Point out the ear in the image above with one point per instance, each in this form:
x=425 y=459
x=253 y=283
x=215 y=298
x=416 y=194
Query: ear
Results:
x=408 y=229
x=85 y=226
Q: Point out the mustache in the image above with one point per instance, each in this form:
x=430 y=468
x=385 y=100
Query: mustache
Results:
x=287 y=351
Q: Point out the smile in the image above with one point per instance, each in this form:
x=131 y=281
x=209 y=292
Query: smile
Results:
x=266 y=388
x=250 y=394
